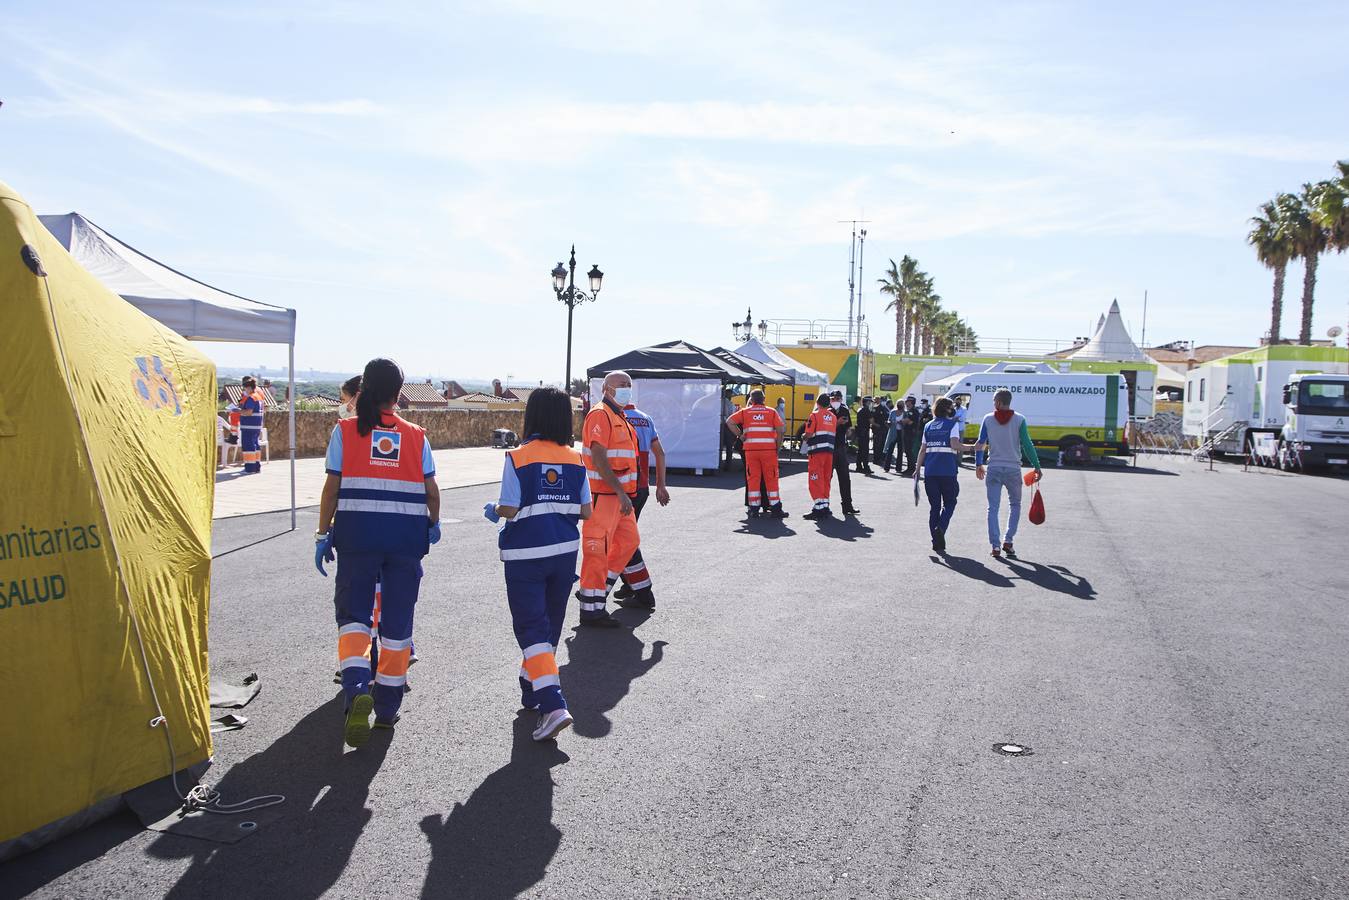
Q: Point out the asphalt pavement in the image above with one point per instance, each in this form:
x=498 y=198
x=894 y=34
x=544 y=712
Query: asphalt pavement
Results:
x=811 y=711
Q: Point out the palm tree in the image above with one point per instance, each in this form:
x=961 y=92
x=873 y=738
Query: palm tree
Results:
x=944 y=332
x=1269 y=237
x=1332 y=209
x=1309 y=241
x=901 y=282
x=929 y=306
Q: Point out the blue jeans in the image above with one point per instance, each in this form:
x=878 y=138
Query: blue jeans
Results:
x=994 y=482
x=942 y=491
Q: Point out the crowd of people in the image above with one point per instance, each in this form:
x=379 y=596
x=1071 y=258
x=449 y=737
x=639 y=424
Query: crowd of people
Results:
x=379 y=513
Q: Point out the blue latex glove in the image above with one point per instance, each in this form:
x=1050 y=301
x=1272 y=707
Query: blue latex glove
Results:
x=489 y=512
x=323 y=552
x=433 y=533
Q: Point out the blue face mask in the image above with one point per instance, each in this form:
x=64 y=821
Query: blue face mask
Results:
x=622 y=395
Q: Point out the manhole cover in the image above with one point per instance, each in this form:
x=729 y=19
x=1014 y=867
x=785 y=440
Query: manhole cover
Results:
x=247 y=826
x=1012 y=749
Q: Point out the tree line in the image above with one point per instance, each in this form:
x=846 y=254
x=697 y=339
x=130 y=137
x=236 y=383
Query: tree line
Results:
x=922 y=326
x=1301 y=226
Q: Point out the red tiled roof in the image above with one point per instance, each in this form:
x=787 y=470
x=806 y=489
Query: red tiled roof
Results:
x=421 y=393
x=320 y=400
x=234 y=392
x=480 y=397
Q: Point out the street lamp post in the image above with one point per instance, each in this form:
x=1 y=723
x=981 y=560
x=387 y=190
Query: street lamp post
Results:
x=564 y=285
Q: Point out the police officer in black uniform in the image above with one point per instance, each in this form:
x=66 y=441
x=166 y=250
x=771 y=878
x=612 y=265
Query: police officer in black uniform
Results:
x=863 y=432
x=880 y=427
x=844 y=416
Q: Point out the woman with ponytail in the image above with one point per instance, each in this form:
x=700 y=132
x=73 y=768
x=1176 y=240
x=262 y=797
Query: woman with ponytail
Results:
x=380 y=512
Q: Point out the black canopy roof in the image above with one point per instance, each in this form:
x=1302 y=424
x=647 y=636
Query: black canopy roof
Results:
x=680 y=359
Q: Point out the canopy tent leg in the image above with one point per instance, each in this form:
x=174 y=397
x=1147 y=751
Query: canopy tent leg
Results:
x=291 y=395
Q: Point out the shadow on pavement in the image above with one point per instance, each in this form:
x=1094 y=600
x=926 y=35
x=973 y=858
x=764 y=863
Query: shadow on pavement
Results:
x=25 y=874
x=972 y=568
x=499 y=842
x=1052 y=578
x=303 y=852
x=1133 y=470
x=769 y=528
x=601 y=665
x=843 y=528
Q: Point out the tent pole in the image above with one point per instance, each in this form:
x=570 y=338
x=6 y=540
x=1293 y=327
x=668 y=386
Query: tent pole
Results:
x=291 y=394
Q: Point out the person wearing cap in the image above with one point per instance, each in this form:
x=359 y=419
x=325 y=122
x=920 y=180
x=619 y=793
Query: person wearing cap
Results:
x=910 y=431
x=863 y=432
x=843 y=422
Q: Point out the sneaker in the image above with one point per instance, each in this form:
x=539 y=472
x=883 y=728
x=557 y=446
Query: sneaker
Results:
x=357 y=730
x=1007 y=550
x=386 y=724
x=623 y=592
x=850 y=511
x=997 y=553
x=601 y=621
x=551 y=723
x=939 y=541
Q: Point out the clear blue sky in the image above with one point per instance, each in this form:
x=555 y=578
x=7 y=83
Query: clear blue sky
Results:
x=405 y=175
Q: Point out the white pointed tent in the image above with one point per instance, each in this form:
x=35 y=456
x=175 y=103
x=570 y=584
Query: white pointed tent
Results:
x=192 y=308
x=1111 y=342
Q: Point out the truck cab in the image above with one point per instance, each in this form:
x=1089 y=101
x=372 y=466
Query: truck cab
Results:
x=1316 y=421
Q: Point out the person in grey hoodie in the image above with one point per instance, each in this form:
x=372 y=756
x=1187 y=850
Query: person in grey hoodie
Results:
x=1003 y=440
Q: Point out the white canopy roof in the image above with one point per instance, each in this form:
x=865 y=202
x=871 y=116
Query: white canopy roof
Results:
x=1111 y=341
x=775 y=359
x=195 y=310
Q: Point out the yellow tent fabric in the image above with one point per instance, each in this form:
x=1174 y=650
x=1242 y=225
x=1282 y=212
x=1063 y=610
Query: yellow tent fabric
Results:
x=107 y=459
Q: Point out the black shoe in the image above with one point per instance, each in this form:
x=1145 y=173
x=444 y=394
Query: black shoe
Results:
x=1007 y=550
x=643 y=599
x=939 y=541
x=849 y=511
x=604 y=621
x=778 y=512
x=623 y=592
x=752 y=512
x=815 y=514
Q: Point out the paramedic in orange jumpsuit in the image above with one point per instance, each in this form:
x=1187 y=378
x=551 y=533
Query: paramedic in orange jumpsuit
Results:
x=609 y=536
x=759 y=429
x=820 y=435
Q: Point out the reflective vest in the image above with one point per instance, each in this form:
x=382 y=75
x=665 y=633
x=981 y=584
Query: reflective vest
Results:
x=645 y=430
x=251 y=418
x=614 y=433
x=940 y=458
x=381 y=503
x=551 y=480
x=820 y=428
x=758 y=427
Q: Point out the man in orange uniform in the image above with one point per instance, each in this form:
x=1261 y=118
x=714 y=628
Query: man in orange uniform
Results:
x=759 y=430
x=820 y=431
x=610 y=535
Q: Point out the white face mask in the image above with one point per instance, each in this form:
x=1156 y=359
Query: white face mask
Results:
x=345 y=412
x=835 y=404
x=622 y=395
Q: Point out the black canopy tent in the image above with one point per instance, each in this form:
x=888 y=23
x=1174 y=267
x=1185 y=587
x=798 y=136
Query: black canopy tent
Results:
x=679 y=387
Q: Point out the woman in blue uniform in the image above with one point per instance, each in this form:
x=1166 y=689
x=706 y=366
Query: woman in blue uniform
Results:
x=939 y=462
x=544 y=493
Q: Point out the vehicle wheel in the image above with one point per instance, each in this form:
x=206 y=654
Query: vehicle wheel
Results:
x=1074 y=450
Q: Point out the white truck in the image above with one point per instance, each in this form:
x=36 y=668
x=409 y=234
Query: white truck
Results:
x=1072 y=416
x=1284 y=403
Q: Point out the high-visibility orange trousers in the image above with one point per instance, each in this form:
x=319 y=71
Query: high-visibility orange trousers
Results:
x=607 y=542
x=761 y=465
x=821 y=471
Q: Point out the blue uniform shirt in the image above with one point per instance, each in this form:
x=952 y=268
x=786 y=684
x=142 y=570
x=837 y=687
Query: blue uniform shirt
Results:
x=940 y=459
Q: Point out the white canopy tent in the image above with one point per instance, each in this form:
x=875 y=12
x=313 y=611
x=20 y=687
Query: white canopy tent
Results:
x=192 y=308
x=1111 y=342
x=799 y=372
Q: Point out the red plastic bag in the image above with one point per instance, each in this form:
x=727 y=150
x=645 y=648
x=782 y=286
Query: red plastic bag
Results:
x=1037 y=509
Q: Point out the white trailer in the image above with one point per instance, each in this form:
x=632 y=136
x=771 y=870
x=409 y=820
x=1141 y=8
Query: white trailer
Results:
x=1236 y=404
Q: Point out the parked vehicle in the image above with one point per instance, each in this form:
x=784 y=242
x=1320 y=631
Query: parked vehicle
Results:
x=1075 y=417
x=1246 y=403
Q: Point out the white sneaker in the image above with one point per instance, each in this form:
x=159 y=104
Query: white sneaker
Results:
x=551 y=723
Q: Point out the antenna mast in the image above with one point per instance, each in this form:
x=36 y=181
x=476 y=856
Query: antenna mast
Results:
x=852 y=267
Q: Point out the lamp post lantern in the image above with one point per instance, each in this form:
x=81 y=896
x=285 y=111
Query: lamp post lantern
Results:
x=564 y=285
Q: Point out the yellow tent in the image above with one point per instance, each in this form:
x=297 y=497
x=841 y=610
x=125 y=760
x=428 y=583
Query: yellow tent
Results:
x=107 y=457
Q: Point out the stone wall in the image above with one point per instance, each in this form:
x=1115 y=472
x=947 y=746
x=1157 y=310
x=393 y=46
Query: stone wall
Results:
x=445 y=428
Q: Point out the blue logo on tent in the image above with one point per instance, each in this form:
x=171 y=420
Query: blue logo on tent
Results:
x=154 y=385
x=385 y=444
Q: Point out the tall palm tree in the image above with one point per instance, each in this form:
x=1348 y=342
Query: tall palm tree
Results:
x=901 y=282
x=1274 y=249
x=1332 y=209
x=1309 y=241
x=945 y=332
x=929 y=307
